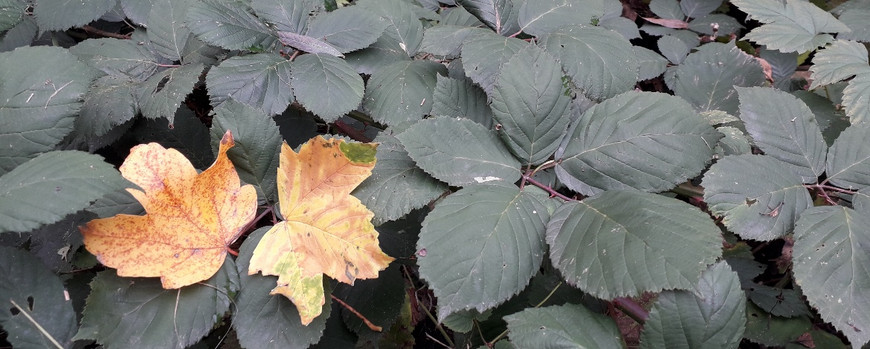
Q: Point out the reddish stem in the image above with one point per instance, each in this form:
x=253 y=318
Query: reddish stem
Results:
x=546 y=188
x=368 y=323
x=351 y=132
x=632 y=309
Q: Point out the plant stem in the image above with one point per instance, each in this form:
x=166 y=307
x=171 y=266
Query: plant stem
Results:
x=505 y=332
x=546 y=188
x=368 y=323
x=687 y=189
x=351 y=132
x=438 y=326
x=632 y=309
x=38 y=326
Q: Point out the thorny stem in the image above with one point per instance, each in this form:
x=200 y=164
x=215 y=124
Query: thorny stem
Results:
x=504 y=333
x=91 y=30
x=632 y=309
x=438 y=326
x=546 y=188
x=368 y=323
x=822 y=189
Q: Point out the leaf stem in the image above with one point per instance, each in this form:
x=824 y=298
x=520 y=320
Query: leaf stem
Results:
x=546 y=188
x=38 y=326
x=351 y=132
x=505 y=332
x=632 y=309
x=438 y=326
x=368 y=323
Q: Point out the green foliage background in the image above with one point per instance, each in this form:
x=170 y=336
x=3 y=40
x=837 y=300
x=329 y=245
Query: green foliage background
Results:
x=548 y=170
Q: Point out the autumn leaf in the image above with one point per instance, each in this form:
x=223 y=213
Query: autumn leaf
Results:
x=190 y=219
x=325 y=229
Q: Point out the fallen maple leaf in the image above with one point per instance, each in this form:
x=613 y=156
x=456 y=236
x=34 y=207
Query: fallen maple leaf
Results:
x=190 y=219
x=325 y=229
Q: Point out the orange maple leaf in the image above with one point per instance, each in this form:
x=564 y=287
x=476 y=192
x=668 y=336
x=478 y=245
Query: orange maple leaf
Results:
x=190 y=219
x=325 y=229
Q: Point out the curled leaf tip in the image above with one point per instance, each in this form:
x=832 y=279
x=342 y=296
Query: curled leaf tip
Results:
x=227 y=140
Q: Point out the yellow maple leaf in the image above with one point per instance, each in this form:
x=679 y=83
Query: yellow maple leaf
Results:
x=325 y=229
x=190 y=219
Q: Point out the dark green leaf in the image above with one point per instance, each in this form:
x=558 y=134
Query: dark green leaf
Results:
x=38 y=101
x=289 y=16
x=137 y=10
x=258 y=144
x=539 y=17
x=481 y=245
x=139 y=313
x=51 y=186
x=763 y=328
x=33 y=301
x=11 y=13
x=110 y=102
x=446 y=40
x=308 y=44
x=461 y=99
x=758 y=196
x=782 y=67
x=383 y=52
x=500 y=15
x=712 y=314
x=348 y=28
x=260 y=80
x=116 y=202
x=793 y=26
x=396 y=185
x=624 y=26
x=459 y=151
x=699 y=8
x=724 y=24
x=326 y=86
x=563 y=326
x=530 y=104
x=22 y=34
x=784 y=128
x=830 y=264
x=403 y=24
x=667 y=9
x=856 y=98
x=167 y=29
x=628 y=142
x=228 y=24
x=262 y=320
x=484 y=56
x=848 y=163
x=841 y=60
x=401 y=92
x=856 y=20
x=188 y=135
x=711 y=86
x=61 y=15
x=734 y=142
x=162 y=94
x=624 y=243
x=600 y=62
x=675 y=50
x=118 y=57
x=778 y=301
x=56 y=244
x=650 y=63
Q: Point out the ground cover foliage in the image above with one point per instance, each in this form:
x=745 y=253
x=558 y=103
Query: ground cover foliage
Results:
x=549 y=173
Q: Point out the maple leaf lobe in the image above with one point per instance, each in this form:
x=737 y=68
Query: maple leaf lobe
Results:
x=326 y=231
x=190 y=219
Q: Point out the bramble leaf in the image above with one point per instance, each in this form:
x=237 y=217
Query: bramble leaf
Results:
x=162 y=94
x=563 y=326
x=600 y=62
x=38 y=107
x=758 y=196
x=51 y=186
x=500 y=15
x=842 y=60
x=713 y=313
x=784 y=128
x=229 y=24
x=628 y=142
x=830 y=264
x=33 y=296
x=459 y=151
x=326 y=86
x=483 y=57
x=260 y=81
x=287 y=16
x=190 y=221
x=623 y=243
x=500 y=249
x=62 y=15
x=529 y=103
x=401 y=93
x=711 y=86
x=790 y=26
x=348 y=28
x=325 y=231
x=848 y=163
